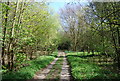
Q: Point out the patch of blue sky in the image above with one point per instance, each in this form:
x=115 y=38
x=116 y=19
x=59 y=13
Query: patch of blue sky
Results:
x=57 y=5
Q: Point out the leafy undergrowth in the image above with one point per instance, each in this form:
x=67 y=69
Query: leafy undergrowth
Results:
x=28 y=71
x=83 y=69
x=55 y=53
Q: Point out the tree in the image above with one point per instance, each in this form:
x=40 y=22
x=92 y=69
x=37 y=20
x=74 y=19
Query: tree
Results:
x=108 y=16
x=27 y=28
x=73 y=23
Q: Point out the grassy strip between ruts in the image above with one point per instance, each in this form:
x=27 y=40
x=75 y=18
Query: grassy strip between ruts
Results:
x=83 y=69
x=55 y=71
x=28 y=71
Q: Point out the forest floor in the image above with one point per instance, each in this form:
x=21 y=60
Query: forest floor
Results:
x=69 y=67
x=90 y=67
x=56 y=70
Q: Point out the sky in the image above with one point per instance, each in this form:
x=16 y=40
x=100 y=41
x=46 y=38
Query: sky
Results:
x=57 y=5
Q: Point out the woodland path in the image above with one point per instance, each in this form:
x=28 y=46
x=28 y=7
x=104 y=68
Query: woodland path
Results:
x=57 y=70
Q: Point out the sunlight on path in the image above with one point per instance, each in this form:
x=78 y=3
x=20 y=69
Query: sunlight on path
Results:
x=63 y=75
x=44 y=73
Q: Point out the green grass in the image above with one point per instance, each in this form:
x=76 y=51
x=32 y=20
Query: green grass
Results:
x=80 y=53
x=29 y=71
x=83 y=69
x=55 y=53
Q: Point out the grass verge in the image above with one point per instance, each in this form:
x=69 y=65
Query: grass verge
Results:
x=55 y=53
x=28 y=71
x=83 y=69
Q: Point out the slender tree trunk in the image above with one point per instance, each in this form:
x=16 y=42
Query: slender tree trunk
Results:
x=118 y=51
x=92 y=52
x=4 y=35
x=10 y=48
x=31 y=53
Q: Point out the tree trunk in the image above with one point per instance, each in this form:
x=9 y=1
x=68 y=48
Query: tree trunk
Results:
x=4 y=35
x=118 y=50
x=92 y=52
x=10 y=47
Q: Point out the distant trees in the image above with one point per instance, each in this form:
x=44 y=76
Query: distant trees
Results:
x=72 y=21
x=27 y=28
x=94 y=27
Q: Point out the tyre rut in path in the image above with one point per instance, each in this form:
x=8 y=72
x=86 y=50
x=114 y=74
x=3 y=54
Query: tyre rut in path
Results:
x=64 y=74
